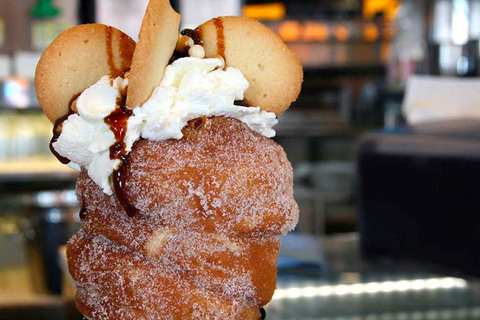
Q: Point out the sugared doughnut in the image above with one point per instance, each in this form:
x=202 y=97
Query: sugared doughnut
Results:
x=192 y=229
x=209 y=211
x=220 y=177
x=116 y=283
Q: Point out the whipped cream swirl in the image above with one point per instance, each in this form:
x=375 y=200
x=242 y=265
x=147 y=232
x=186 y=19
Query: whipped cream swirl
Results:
x=191 y=88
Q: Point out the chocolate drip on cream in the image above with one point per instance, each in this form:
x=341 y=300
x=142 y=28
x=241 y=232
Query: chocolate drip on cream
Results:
x=57 y=130
x=118 y=122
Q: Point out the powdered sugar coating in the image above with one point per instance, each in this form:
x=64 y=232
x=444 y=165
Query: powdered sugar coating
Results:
x=116 y=283
x=221 y=178
x=205 y=242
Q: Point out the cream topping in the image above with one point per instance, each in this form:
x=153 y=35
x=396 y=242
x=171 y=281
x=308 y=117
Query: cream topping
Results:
x=191 y=88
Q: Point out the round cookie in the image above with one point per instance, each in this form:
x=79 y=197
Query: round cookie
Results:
x=157 y=40
x=77 y=59
x=273 y=70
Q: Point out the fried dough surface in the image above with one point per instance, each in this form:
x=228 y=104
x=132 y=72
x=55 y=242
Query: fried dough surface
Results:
x=115 y=283
x=222 y=177
x=205 y=241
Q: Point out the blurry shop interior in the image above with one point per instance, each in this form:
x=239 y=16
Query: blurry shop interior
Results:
x=358 y=57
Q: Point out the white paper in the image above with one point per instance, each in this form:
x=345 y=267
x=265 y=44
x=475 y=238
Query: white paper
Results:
x=429 y=98
x=195 y=12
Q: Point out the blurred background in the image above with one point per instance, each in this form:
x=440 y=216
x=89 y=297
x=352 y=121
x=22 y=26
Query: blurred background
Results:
x=384 y=141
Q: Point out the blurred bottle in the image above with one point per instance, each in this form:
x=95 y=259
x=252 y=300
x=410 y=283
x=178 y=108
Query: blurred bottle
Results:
x=453 y=38
x=409 y=45
x=50 y=218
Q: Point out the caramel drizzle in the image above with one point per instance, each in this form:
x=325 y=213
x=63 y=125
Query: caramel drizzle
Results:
x=110 y=60
x=117 y=122
x=125 y=50
x=220 y=37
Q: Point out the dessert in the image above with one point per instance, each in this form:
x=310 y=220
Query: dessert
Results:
x=183 y=195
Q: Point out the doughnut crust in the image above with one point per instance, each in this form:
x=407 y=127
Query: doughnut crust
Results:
x=77 y=59
x=115 y=283
x=273 y=70
x=220 y=177
x=205 y=241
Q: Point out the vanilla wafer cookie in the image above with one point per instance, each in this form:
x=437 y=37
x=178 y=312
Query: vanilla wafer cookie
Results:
x=77 y=59
x=157 y=40
x=273 y=71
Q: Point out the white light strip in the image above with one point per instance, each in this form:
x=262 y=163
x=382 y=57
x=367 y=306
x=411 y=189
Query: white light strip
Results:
x=454 y=314
x=370 y=288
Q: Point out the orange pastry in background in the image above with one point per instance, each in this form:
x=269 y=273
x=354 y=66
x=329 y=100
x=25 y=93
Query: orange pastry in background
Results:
x=183 y=196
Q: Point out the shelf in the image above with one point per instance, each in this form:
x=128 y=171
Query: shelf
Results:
x=35 y=107
x=347 y=69
x=314 y=124
x=35 y=170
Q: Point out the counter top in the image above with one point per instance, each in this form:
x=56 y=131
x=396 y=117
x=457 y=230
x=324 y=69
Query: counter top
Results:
x=339 y=284
x=349 y=287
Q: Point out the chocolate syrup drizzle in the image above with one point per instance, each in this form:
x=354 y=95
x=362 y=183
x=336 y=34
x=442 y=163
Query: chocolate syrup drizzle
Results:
x=57 y=130
x=118 y=121
x=83 y=213
x=119 y=179
x=125 y=49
